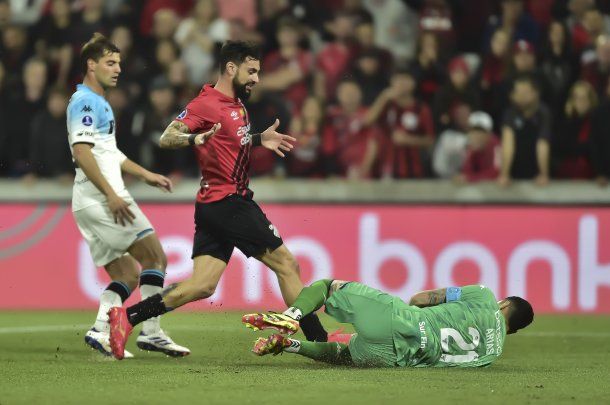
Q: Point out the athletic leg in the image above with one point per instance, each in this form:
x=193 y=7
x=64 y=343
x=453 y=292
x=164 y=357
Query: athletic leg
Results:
x=202 y=284
x=149 y=253
x=287 y=270
x=124 y=273
x=327 y=352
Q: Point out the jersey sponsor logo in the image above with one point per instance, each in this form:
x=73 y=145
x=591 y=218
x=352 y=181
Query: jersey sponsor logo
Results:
x=246 y=139
x=274 y=230
x=499 y=320
x=182 y=115
x=244 y=132
x=87 y=120
x=424 y=338
x=86 y=109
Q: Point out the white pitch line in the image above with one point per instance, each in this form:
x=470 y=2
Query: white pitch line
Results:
x=41 y=328
x=62 y=328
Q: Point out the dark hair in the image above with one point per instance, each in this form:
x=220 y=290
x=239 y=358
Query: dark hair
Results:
x=97 y=47
x=237 y=52
x=520 y=313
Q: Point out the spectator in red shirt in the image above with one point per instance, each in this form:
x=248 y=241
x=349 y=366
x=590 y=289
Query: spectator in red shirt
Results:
x=596 y=67
x=306 y=126
x=585 y=31
x=483 y=151
x=334 y=59
x=408 y=123
x=153 y=6
x=573 y=147
x=287 y=70
x=349 y=147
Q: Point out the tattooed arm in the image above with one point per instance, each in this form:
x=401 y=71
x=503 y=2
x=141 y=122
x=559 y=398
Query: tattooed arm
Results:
x=429 y=298
x=177 y=135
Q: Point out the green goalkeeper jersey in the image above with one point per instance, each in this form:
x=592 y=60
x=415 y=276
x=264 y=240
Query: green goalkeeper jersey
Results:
x=467 y=331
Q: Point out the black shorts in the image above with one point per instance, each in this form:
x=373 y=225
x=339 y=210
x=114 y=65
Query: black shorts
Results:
x=234 y=221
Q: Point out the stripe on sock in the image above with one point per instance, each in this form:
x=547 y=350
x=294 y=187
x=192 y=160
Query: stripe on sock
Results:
x=152 y=277
x=120 y=288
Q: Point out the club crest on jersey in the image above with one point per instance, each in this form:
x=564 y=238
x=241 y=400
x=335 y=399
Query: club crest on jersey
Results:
x=182 y=115
x=87 y=120
x=234 y=115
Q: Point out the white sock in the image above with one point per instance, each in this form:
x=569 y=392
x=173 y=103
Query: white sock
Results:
x=108 y=299
x=152 y=325
x=294 y=313
x=294 y=347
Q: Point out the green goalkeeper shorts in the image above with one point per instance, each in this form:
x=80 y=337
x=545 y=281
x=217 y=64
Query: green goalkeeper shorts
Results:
x=371 y=313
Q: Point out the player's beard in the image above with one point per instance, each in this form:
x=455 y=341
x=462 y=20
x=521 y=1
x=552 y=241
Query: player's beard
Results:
x=240 y=89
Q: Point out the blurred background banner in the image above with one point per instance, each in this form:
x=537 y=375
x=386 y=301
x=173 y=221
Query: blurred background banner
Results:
x=556 y=257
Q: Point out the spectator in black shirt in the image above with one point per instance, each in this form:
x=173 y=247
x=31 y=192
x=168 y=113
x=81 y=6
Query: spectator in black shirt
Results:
x=49 y=154
x=572 y=148
x=600 y=139
x=526 y=132
x=52 y=37
x=23 y=100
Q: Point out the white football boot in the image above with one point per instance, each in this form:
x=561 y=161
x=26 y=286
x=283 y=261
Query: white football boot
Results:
x=160 y=342
x=100 y=341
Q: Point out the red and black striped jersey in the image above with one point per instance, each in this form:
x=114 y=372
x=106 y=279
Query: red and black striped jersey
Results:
x=224 y=159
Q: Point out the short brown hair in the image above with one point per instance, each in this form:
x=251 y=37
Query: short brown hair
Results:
x=97 y=47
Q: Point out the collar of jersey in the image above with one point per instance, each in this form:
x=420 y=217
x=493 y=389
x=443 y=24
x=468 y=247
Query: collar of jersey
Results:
x=84 y=87
x=208 y=88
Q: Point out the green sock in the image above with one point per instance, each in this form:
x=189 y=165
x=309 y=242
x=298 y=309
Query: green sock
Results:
x=313 y=297
x=327 y=352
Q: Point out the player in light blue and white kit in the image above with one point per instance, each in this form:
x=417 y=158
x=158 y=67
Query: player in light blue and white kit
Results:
x=119 y=235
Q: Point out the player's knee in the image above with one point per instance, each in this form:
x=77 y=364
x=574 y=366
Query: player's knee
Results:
x=288 y=265
x=155 y=260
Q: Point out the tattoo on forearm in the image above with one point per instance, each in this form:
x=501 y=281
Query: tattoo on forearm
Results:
x=176 y=135
x=168 y=289
x=435 y=298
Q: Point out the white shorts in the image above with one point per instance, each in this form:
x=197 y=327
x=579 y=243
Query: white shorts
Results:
x=108 y=241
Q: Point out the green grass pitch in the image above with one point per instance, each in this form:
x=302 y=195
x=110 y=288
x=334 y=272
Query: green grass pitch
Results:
x=43 y=359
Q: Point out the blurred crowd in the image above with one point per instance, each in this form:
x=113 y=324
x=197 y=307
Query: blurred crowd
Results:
x=466 y=90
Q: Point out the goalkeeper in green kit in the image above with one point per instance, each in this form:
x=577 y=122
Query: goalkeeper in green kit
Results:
x=448 y=327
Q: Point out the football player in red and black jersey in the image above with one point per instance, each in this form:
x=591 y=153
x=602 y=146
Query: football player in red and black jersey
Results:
x=216 y=125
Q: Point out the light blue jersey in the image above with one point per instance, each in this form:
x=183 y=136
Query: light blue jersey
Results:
x=90 y=120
